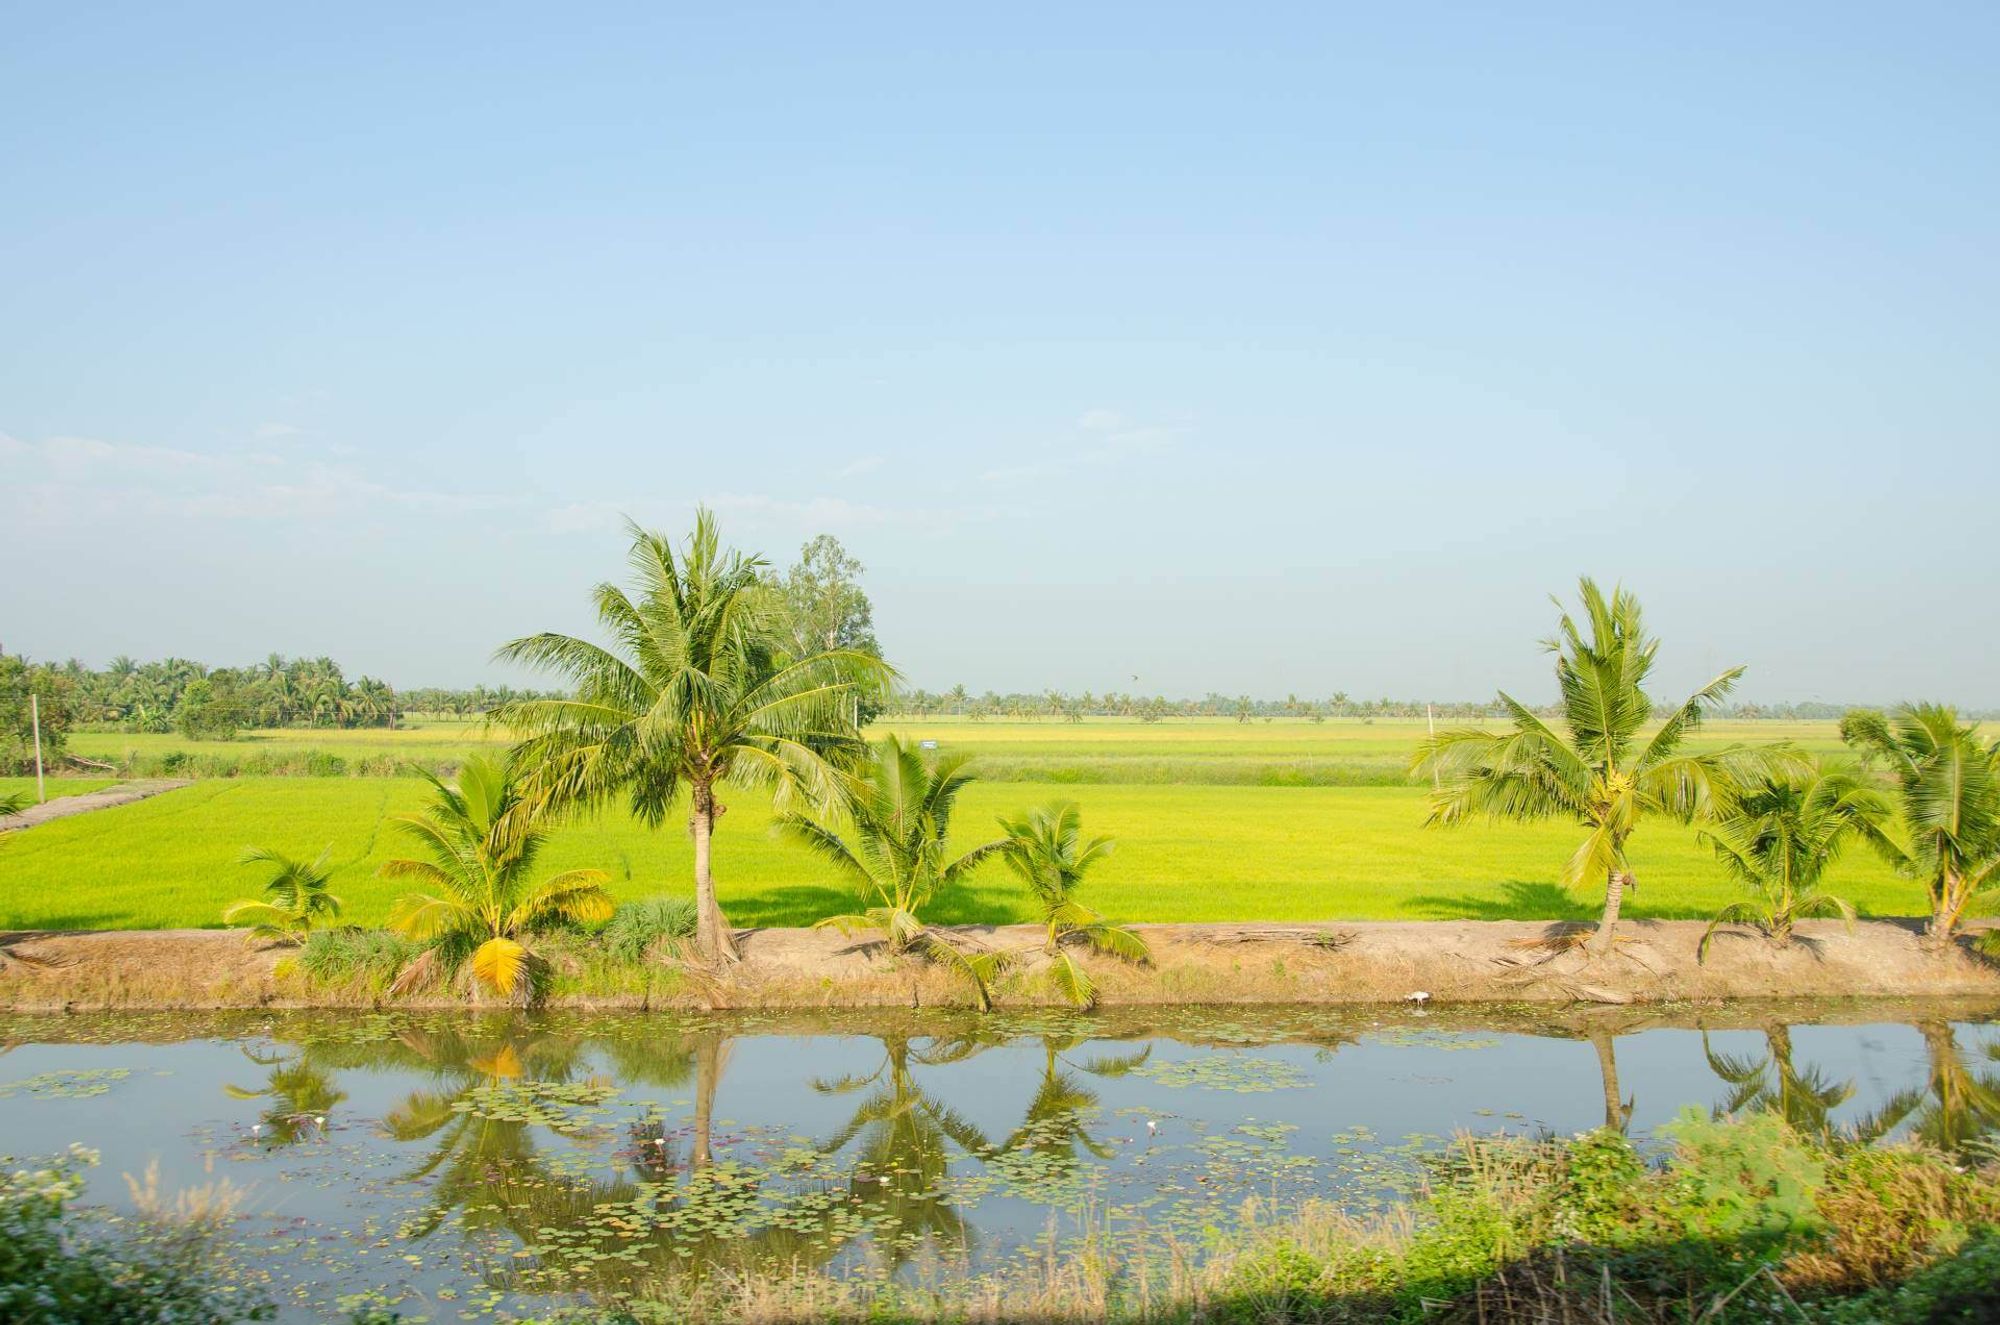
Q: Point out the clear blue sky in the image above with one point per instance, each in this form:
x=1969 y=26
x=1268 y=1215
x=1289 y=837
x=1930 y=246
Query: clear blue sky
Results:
x=1256 y=348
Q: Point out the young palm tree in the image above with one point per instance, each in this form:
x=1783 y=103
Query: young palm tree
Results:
x=1949 y=788
x=694 y=693
x=295 y=892
x=1592 y=767
x=481 y=842
x=1779 y=840
x=897 y=852
x=1047 y=850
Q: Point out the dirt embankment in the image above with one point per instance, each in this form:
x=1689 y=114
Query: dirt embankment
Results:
x=124 y=793
x=1339 y=962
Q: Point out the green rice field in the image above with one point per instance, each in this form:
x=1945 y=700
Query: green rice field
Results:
x=1207 y=751
x=1191 y=852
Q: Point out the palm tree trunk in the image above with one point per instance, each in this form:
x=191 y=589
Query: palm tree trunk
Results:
x=1945 y=910
x=712 y=933
x=1614 y=896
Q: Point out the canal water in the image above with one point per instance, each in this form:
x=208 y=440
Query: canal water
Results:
x=463 y=1166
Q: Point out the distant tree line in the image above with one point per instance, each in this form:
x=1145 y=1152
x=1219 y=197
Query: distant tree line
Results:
x=1057 y=705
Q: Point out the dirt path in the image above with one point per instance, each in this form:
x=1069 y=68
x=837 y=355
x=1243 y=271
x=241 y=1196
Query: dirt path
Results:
x=1456 y=961
x=64 y=806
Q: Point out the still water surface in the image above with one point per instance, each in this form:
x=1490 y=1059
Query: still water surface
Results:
x=465 y=1165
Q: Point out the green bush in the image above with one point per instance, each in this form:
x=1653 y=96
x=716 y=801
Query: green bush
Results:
x=636 y=927
x=1963 y=1289
x=56 y=1269
x=370 y=957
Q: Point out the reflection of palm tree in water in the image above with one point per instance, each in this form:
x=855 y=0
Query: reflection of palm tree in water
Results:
x=485 y=1165
x=1805 y=1099
x=301 y=1093
x=1617 y=1108
x=906 y=1145
x=1957 y=1105
x=1057 y=1118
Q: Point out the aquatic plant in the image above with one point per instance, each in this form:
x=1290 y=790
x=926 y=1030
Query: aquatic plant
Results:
x=482 y=840
x=296 y=896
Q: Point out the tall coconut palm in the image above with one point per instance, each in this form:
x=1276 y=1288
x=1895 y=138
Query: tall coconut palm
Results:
x=481 y=841
x=1591 y=766
x=1949 y=788
x=695 y=693
x=1047 y=851
x=897 y=852
x=1780 y=839
x=295 y=892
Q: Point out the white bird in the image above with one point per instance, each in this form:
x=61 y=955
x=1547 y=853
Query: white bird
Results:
x=256 y=1129
x=1421 y=996
x=1152 y=1127
x=321 y=1120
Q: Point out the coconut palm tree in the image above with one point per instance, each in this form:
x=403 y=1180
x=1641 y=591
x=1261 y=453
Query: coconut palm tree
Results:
x=295 y=892
x=1046 y=849
x=1591 y=766
x=481 y=841
x=1949 y=788
x=897 y=852
x=695 y=693
x=1779 y=840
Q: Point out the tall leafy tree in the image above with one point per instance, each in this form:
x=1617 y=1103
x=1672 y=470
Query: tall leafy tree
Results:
x=1948 y=784
x=825 y=608
x=696 y=691
x=1593 y=765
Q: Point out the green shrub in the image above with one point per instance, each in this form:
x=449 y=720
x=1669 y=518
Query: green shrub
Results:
x=1742 y=1179
x=1962 y=1289
x=370 y=957
x=636 y=927
x=56 y=1269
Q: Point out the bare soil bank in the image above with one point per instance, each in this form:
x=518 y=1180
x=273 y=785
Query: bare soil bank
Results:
x=1339 y=962
x=124 y=793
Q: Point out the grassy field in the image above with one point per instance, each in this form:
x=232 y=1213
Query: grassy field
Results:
x=1212 y=752
x=1197 y=852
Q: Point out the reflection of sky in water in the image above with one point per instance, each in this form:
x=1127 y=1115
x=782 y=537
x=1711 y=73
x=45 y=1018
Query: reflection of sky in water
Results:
x=1278 y=1120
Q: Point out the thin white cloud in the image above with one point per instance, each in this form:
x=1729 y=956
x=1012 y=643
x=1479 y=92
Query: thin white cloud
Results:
x=855 y=468
x=61 y=478
x=273 y=431
x=1101 y=437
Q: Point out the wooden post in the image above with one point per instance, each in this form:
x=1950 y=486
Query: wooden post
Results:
x=1430 y=718
x=35 y=715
